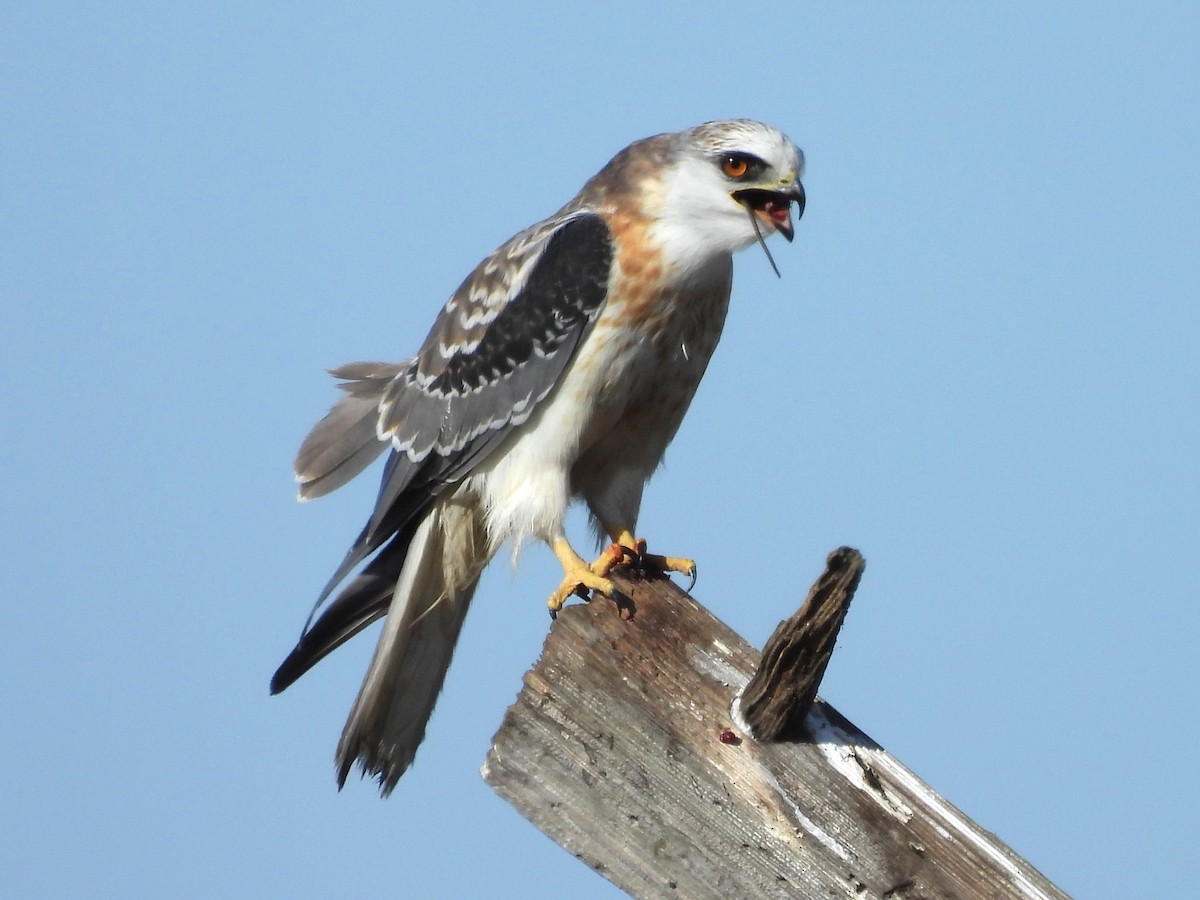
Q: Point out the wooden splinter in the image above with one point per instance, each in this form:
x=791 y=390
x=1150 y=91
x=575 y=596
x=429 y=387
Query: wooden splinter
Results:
x=775 y=702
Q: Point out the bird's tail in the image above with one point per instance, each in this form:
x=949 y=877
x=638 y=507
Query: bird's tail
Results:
x=447 y=553
x=346 y=441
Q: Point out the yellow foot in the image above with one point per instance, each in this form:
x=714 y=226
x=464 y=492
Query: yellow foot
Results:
x=631 y=552
x=578 y=577
x=577 y=583
x=666 y=564
x=613 y=557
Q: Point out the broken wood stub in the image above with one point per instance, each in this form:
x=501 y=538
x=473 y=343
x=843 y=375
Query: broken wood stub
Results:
x=778 y=697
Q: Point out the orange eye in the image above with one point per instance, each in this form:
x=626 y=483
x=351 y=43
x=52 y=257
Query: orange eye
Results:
x=735 y=166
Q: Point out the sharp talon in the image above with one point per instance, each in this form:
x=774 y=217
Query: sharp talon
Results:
x=579 y=583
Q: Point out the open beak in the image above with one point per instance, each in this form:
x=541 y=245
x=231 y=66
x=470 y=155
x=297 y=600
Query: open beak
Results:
x=774 y=207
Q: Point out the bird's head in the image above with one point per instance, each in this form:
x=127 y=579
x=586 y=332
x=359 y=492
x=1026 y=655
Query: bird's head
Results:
x=730 y=183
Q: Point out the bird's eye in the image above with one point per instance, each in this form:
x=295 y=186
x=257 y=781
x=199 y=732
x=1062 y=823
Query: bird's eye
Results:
x=735 y=166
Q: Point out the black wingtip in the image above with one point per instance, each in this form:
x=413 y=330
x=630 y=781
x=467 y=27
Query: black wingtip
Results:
x=281 y=681
x=299 y=661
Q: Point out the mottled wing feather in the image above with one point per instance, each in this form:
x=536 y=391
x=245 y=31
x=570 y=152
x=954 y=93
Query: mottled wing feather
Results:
x=499 y=345
x=496 y=351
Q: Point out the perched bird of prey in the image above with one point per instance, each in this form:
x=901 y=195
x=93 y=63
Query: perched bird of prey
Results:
x=560 y=369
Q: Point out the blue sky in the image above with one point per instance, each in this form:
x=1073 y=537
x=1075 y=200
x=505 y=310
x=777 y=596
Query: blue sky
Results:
x=980 y=368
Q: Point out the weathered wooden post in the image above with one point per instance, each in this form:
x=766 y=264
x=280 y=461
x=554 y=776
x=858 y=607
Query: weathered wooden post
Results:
x=653 y=743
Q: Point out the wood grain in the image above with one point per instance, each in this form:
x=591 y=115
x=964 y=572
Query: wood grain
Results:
x=621 y=747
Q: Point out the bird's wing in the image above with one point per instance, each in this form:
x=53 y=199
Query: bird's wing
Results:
x=495 y=352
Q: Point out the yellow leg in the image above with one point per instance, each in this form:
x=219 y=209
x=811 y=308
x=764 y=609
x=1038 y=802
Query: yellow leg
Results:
x=577 y=575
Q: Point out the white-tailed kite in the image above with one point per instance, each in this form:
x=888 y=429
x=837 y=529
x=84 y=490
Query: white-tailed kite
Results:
x=560 y=369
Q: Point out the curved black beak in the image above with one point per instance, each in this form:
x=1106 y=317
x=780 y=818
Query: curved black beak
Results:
x=774 y=207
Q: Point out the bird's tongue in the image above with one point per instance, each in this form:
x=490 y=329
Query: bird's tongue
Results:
x=780 y=213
